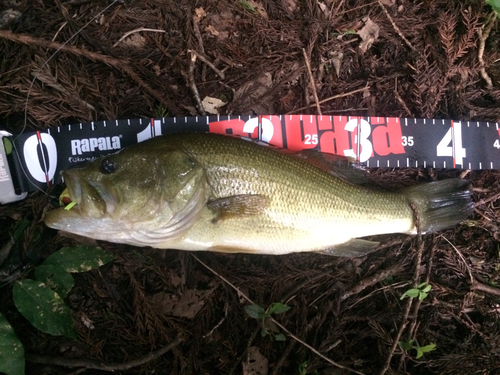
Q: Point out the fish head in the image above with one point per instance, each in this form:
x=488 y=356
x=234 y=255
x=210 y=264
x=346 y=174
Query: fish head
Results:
x=150 y=189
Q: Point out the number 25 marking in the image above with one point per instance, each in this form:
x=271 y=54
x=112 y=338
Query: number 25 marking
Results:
x=311 y=139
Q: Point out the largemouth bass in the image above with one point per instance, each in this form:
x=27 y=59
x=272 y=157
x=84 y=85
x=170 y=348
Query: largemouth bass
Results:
x=220 y=193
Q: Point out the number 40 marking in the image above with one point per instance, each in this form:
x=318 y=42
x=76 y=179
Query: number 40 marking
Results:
x=451 y=144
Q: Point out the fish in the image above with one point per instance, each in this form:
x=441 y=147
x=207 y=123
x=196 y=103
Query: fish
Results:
x=213 y=192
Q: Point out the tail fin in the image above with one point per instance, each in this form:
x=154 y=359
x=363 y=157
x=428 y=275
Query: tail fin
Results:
x=440 y=204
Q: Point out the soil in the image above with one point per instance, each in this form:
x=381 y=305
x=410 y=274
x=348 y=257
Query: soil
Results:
x=175 y=312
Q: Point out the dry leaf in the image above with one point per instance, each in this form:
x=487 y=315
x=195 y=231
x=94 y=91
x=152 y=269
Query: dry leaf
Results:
x=212 y=105
x=186 y=305
x=290 y=5
x=389 y=3
x=199 y=14
x=212 y=30
x=336 y=60
x=324 y=9
x=256 y=363
x=258 y=7
x=135 y=40
x=369 y=33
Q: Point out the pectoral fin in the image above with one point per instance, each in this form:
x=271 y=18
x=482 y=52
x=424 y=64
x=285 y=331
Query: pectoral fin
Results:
x=238 y=206
x=353 y=248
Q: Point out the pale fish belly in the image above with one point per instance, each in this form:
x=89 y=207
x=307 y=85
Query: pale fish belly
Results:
x=276 y=236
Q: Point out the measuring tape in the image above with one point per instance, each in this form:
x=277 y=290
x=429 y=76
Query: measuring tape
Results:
x=33 y=160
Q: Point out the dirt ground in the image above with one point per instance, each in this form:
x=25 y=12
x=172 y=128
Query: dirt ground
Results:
x=174 y=312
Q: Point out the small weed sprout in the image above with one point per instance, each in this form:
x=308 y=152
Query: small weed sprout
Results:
x=258 y=312
x=421 y=291
x=421 y=350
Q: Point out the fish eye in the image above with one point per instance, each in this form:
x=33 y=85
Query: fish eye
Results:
x=107 y=166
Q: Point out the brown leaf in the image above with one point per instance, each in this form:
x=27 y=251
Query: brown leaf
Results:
x=256 y=363
x=186 y=305
x=368 y=33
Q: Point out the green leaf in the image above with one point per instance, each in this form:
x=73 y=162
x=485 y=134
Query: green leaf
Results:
x=255 y=311
x=427 y=289
x=280 y=337
x=420 y=353
x=428 y=348
x=495 y=4
x=56 y=278
x=79 y=258
x=11 y=350
x=43 y=307
x=422 y=296
x=278 y=308
x=412 y=293
x=406 y=345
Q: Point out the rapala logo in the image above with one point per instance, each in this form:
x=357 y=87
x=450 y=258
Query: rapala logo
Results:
x=79 y=146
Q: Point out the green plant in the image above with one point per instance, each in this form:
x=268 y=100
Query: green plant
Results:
x=41 y=300
x=258 y=312
x=247 y=6
x=303 y=369
x=495 y=4
x=160 y=111
x=421 y=350
x=421 y=291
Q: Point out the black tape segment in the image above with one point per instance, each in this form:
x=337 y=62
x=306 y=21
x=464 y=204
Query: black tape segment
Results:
x=39 y=157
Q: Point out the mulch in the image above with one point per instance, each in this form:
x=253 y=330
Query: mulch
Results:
x=181 y=313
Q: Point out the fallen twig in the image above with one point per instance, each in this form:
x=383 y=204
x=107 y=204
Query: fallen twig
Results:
x=400 y=99
x=476 y=285
x=483 y=35
x=98 y=365
x=240 y=293
x=311 y=81
x=192 y=84
x=372 y=280
x=210 y=65
x=338 y=96
x=396 y=28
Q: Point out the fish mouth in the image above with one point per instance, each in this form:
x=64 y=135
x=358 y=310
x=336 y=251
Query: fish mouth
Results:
x=88 y=198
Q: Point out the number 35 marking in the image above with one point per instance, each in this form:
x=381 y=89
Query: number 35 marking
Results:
x=407 y=141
